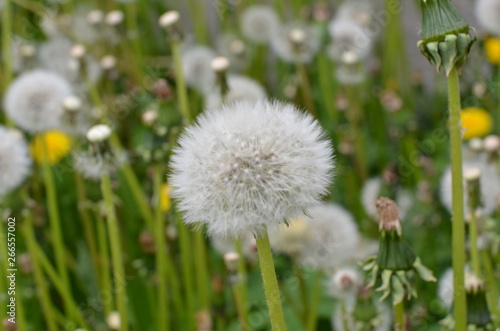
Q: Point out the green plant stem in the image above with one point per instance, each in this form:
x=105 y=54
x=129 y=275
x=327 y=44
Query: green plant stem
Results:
x=474 y=251
x=498 y=98
x=186 y=253
x=327 y=87
x=106 y=286
x=305 y=87
x=175 y=288
x=353 y=116
x=239 y=306
x=399 y=316
x=198 y=10
x=55 y=222
x=6 y=44
x=312 y=313
x=131 y=21
x=270 y=281
x=242 y=285
x=491 y=284
x=345 y=315
x=201 y=268
x=458 y=231
x=180 y=82
x=303 y=292
x=88 y=228
x=42 y=290
x=116 y=252
x=161 y=255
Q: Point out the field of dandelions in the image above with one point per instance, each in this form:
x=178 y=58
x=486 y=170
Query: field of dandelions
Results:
x=249 y=165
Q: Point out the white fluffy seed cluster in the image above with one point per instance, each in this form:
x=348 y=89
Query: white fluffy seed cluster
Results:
x=250 y=165
x=259 y=23
x=14 y=160
x=34 y=101
x=296 y=42
x=240 y=88
x=488 y=15
x=197 y=68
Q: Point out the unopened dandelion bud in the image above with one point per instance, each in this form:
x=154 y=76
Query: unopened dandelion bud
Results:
x=99 y=133
x=113 y=320
x=472 y=177
x=297 y=36
x=95 y=17
x=204 y=321
x=169 y=19
x=27 y=51
x=171 y=232
x=25 y=263
x=478 y=314
x=389 y=215
x=446 y=40
x=108 y=62
x=150 y=117
x=237 y=47
x=231 y=260
x=492 y=144
x=72 y=103
x=114 y=18
x=476 y=144
x=220 y=64
x=78 y=51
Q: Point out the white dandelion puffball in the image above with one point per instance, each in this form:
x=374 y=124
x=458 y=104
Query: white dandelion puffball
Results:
x=344 y=284
x=240 y=88
x=445 y=288
x=359 y=11
x=334 y=237
x=489 y=182
x=225 y=245
x=14 y=160
x=296 y=42
x=488 y=15
x=372 y=191
x=259 y=22
x=34 y=100
x=348 y=37
x=196 y=67
x=250 y=165
x=291 y=238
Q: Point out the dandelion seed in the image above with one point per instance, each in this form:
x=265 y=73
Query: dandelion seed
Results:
x=15 y=162
x=259 y=22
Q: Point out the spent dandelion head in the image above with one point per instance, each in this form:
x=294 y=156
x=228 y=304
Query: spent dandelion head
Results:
x=240 y=88
x=196 y=67
x=250 y=165
x=34 y=100
x=15 y=162
x=296 y=42
x=259 y=22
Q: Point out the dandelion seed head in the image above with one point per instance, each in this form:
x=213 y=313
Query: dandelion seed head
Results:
x=296 y=42
x=334 y=237
x=196 y=67
x=15 y=162
x=348 y=37
x=240 y=88
x=250 y=165
x=371 y=192
x=169 y=19
x=114 y=18
x=488 y=15
x=445 y=288
x=291 y=238
x=259 y=22
x=34 y=100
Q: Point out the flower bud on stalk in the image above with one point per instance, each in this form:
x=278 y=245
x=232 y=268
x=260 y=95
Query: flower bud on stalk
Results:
x=395 y=262
x=446 y=40
x=478 y=314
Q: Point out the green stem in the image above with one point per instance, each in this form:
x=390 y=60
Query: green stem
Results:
x=327 y=87
x=498 y=100
x=399 y=316
x=312 y=314
x=175 y=289
x=201 y=268
x=106 y=287
x=458 y=231
x=476 y=264
x=303 y=292
x=161 y=255
x=41 y=285
x=88 y=229
x=242 y=285
x=55 y=222
x=180 y=82
x=353 y=116
x=239 y=307
x=186 y=253
x=345 y=315
x=198 y=10
x=305 y=86
x=116 y=252
x=6 y=44
x=270 y=281
x=491 y=285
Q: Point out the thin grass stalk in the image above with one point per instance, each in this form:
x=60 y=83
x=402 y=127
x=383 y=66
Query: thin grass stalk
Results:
x=106 y=286
x=116 y=252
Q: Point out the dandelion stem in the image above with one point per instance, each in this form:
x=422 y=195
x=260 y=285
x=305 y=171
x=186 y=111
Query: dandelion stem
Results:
x=399 y=316
x=305 y=86
x=186 y=253
x=43 y=293
x=104 y=264
x=270 y=281
x=242 y=285
x=116 y=252
x=6 y=43
x=345 y=315
x=239 y=306
x=312 y=314
x=180 y=81
x=201 y=268
x=353 y=116
x=55 y=221
x=458 y=231
x=327 y=86
x=161 y=254
x=491 y=285
x=474 y=251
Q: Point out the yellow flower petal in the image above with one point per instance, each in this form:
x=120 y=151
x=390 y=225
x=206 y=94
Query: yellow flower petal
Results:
x=476 y=122
x=165 y=202
x=57 y=144
x=492 y=48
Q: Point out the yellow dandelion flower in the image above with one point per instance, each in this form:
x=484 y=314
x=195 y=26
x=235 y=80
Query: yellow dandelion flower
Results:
x=476 y=122
x=57 y=143
x=165 y=202
x=492 y=48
